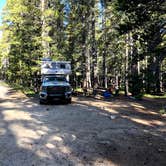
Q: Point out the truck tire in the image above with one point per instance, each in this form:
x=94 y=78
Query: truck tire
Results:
x=68 y=101
x=42 y=102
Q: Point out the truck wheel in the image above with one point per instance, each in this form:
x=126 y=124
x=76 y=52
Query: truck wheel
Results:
x=68 y=101
x=41 y=102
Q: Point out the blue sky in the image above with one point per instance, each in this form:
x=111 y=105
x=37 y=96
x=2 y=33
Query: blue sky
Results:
x=2 y=3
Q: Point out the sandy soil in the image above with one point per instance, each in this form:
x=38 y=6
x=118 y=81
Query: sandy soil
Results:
x=120 y=132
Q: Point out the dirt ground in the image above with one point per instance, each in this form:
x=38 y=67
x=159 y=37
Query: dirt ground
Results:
x=119 y=132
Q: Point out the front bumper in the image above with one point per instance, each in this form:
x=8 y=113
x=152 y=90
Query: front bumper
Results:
x=46 y=96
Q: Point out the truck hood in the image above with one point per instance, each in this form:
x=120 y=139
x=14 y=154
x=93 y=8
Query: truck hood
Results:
x=55 y=83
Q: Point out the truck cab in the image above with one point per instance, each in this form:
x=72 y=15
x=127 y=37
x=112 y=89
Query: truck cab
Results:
x=55 y=88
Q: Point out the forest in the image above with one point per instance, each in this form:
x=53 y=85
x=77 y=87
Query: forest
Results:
x=118 y=43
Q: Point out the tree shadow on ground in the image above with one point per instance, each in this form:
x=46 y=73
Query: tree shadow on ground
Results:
x=86 y=132
x=20 y=140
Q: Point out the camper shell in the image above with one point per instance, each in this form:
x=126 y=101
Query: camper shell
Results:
x=55 y=67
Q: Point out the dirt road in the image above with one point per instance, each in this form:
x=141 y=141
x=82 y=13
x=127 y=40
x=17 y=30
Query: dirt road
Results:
x=86 y=132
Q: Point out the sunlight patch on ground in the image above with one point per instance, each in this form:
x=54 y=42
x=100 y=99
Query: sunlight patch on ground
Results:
x=150 y=122
x=10 y=115
x=142 y=109
x=5 y=105
x=163 y=130
x=105 y=106
x=110 y=110
x=41 y=132
x=141 y=121
x=22 y=132
x=157 y=122
x=50 y=146
x=64 y=149
x=43 y=154
x=137 y=105
x=99 y=162
x=56 y=138
x=44 y=128
x=148 y=112
x=119 y=105
x=2 y=131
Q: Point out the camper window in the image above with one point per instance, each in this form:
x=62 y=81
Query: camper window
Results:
x=54 y=65
x=62 y=66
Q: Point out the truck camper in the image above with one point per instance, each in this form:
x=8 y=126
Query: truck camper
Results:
x=55 y=81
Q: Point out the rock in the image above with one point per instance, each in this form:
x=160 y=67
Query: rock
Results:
x=160 y=150
x=150 y=144
x=113 y=117
x=105 y=142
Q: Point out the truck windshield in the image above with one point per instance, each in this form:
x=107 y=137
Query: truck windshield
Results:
x=48 y=79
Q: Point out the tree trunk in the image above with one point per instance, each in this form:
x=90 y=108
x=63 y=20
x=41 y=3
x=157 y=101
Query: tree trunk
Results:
x=158 y=74
x=86 y=54
x=127 y=67
x=104 y=52
x=44 y=35
x=94 y=51
x=87 y=57
x=154 y=74
x=136 y=82
x=88 y=68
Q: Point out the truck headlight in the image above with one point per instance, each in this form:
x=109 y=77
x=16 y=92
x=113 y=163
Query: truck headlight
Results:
x=44 y=89
x=68 y=89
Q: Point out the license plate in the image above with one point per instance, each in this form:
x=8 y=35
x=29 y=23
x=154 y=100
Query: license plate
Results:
x=55 y=99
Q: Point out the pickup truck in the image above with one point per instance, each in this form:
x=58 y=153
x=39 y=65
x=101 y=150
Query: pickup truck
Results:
x=55 y=88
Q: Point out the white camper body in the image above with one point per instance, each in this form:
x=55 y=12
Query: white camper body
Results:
x=49 y=67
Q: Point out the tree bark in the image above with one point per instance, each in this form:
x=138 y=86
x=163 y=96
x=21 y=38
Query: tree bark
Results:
x=105 y=85
x=88 y=57
x=127 y=66
x=44 y=35
x=94 y=49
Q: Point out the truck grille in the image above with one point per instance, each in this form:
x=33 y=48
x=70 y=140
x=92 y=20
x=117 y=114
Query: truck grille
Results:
x=56 y=89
